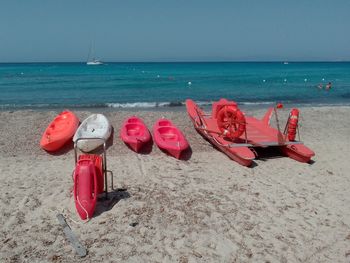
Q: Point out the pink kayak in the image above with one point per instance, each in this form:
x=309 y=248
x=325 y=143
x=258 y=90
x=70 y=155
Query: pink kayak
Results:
x=169 y=138
x=134 y=133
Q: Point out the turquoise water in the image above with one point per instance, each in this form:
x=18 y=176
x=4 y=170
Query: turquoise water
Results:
x=147 y=85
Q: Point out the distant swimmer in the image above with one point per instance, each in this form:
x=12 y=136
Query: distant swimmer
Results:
x=329 y=86
x=320 y=86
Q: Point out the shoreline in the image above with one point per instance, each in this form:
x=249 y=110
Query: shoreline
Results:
x=176 y=108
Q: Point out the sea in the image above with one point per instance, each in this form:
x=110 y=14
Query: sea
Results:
x=167 y=85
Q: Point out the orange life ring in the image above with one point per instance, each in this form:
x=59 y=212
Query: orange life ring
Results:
x=231 y=121
x=293 y=124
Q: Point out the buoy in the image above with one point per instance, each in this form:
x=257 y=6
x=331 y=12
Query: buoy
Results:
x=293 y=124
x=279 y=105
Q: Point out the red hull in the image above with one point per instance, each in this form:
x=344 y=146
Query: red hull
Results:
x=135 y=133
x=259 y=134
x=298 y=152
x=169 y=138
x=85 y=188
x=242 y=155
x=59 y=131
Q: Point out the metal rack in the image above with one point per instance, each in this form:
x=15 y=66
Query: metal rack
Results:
x=104 y=161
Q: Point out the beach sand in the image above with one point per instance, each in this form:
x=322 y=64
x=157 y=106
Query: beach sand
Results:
x=204 y=209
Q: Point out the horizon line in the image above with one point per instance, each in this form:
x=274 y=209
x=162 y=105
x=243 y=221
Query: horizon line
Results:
x=210 y=61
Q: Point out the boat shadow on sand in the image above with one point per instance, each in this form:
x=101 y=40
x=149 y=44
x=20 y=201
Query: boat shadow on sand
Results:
x=104 y=205
x=185 y=155
x=268 y=153
x=67 y=147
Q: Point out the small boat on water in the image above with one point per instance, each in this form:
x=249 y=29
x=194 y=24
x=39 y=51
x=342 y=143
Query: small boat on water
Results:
x=169 y=138
x=85 y=188
x=94 y=62
x=238 y=136
x=96 y=128
x=59 y=131
x=135 y=133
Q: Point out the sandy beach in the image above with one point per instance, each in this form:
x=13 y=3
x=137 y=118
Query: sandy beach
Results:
x=204 y=209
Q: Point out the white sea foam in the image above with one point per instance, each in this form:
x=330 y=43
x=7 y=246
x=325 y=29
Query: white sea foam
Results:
x=144 y=104
x=257 y=103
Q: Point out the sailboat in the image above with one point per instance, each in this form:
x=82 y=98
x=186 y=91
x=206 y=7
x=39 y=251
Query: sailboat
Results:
x=93 y=61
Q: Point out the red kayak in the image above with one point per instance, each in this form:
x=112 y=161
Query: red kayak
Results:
x=134 y=133
x=85 y=188
x=169 y=138
x=60 y=131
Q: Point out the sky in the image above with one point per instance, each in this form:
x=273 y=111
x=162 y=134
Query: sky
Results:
x=178 y=30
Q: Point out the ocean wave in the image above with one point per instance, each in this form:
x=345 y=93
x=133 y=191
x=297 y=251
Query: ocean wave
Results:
x=48 y=106
x=145 y=104
x=127 y=105
x=141 y=105
x=257 y=102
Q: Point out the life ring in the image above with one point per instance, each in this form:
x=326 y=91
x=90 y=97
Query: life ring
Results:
x=293 y=124
x=231 y=121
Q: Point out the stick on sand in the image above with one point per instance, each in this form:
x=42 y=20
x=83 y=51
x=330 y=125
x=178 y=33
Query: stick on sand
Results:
x=71 y=237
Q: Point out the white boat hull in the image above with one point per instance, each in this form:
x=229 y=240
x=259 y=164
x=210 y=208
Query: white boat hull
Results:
x=95 y=126
x=94 y=63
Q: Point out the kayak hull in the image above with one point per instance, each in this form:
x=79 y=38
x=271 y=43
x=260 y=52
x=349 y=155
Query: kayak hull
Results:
x=135 y=133
x=169 y=138
x=95 y=126
x=59 y=131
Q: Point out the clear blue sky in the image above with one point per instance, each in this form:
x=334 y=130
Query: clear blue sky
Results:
x=178 y=30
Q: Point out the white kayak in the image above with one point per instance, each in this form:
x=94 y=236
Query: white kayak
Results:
x=94 y=126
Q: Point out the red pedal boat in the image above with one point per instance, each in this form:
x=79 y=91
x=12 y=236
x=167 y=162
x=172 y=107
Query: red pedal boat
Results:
x=169 y=138
x=135 y=133
x=59 y=131
x=237 y=135
x=85 y=188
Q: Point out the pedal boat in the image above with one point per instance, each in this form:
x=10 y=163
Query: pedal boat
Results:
x=257 y=133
